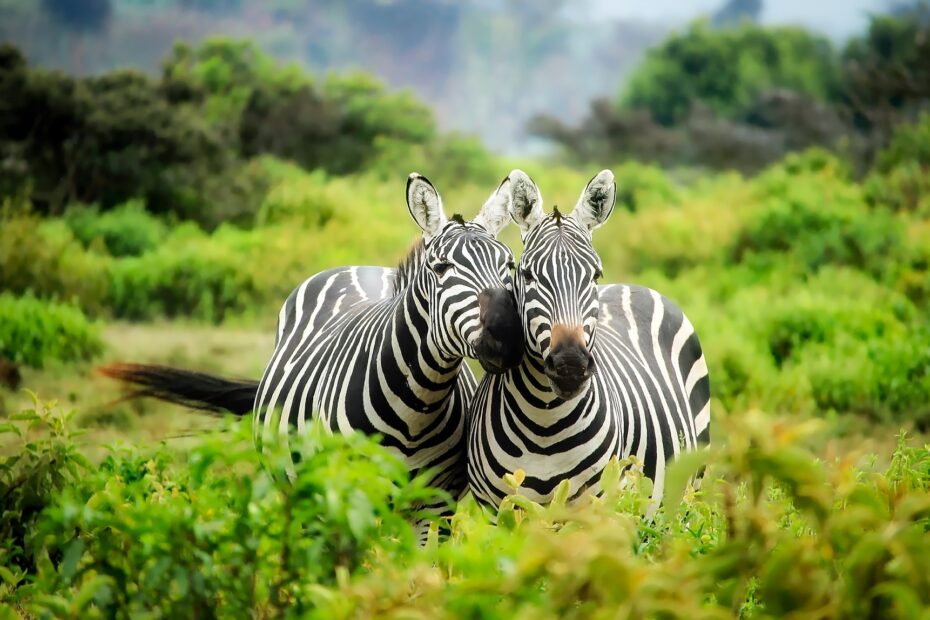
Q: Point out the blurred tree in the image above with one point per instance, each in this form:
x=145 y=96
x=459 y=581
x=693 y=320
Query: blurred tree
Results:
x=103 y=139
x=724 y=70
x=886 y=73
x=262 y=107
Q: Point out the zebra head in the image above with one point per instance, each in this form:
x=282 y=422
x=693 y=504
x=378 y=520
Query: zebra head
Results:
x=556 y=282
x=466 y=276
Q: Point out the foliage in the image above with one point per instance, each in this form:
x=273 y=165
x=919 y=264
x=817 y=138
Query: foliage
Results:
x=309 y=201
x=126 y=230
x=45 y=461
x=773 y=530
x=824 y=222
x=43 y=257
x=887 y=71
x=35 y=332
x=724 y=70
x=742 y=96
x=901 y=178
x=183 y=143
x=264 y=108
x=103 y=139
x=188 y=276
x=216 y=534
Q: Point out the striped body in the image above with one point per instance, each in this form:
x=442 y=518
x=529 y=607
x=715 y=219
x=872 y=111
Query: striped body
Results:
x=380 y=351
x=351 y=353
x=609 y=371
x=649 y=397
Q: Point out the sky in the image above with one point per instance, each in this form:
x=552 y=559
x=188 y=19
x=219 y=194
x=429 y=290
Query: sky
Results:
x=837 y=19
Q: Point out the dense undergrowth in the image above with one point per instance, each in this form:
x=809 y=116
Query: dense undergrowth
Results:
x=149 y=532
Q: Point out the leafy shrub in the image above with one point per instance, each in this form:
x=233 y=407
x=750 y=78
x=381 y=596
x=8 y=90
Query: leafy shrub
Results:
x=190 y=275
x=217 y=534
x=885 y=378
x=308 y=201
x=36 y=332
x=126 y=230
x=724 y=69
x=43 y=257
x=44 y=461
x=448 y=161
x=807 y=317
x=901 y=176
x=774 y=530
x=818 y=218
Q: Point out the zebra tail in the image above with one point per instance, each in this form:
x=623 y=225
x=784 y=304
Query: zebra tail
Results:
x=196 y=390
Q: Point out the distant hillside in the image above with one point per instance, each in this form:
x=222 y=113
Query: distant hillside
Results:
x=486 y=66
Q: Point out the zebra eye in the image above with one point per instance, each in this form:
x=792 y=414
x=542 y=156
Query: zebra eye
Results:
x=527 y=276
x=441 y=267
x=511 y=266
x=598 y=275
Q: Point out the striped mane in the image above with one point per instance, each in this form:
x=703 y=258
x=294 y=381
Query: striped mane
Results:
x=407 y=267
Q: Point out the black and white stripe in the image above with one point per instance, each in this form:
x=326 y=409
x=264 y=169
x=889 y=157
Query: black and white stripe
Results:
x=376 y=350
x=612 y=370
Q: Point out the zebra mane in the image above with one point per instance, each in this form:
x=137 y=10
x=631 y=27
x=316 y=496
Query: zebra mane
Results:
x=557 y=215
x=408 y=267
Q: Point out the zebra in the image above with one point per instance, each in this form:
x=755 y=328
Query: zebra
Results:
x=379 y=350
x=609 y=370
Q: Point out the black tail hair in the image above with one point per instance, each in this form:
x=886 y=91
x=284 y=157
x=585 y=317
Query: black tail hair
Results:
x=196 y=390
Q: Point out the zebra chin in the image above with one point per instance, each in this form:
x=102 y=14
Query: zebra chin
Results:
x=567 y=390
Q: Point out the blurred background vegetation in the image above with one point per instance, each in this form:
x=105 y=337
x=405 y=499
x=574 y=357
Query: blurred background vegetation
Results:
x=163 y=188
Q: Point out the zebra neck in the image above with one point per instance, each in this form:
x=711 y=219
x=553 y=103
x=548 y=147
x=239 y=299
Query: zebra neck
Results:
x=425 y=377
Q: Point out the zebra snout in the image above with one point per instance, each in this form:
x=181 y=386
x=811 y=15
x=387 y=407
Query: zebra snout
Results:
x=499 y=346
x=569 y=363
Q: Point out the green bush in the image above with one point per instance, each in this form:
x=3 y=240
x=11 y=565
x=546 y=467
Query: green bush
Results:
x=886 y=378
x=900 y=179
x=724 y=69
x=816 y=217
x=308 y=201
x=190 y=275
x=448 y=161
x=126 y=230
x=215 y=535
x=774 y=530
x=35 y=332
x=42 y=257
x=45 y=462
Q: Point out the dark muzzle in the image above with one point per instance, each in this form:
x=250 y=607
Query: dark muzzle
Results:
x=569 y=363
x=500 y=345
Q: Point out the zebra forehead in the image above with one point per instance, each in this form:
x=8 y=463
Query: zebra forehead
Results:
x=565 y=242
x=457 y=228
x=468 y=239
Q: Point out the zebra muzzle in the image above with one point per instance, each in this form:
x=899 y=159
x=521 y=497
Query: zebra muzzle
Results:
x=569 y=364
x=499 y=347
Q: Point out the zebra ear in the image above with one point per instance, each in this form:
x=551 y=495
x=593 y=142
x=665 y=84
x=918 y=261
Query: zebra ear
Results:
x=495 y=214
x=526 y=205
x=425 y=205
x=597 y=201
